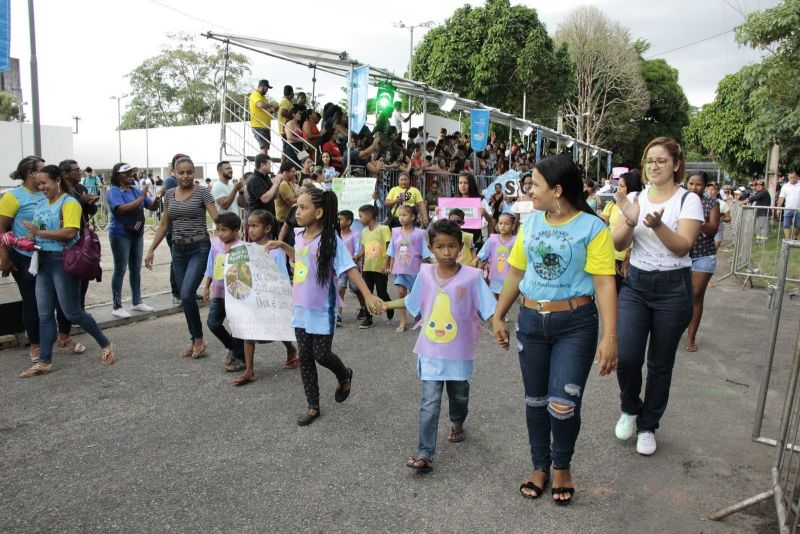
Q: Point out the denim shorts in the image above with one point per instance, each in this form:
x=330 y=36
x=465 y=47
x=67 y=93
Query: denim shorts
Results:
x=704 y=264
x=405 y=280
x=343 y=282
x=790 y=216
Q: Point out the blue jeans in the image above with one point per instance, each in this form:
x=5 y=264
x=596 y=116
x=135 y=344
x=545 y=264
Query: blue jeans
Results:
x=54 y=286
x=429 y=407
x=26 y=283
x=556 y=351
x=127 y=253
x=216 y=315
x=189 y=267
x=655 y=305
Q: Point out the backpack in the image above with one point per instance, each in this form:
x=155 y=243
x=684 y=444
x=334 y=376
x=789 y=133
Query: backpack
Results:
x=83 y=258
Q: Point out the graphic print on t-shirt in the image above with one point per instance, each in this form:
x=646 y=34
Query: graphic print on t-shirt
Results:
x=552 y=253
x=301 y=267
x=403 y=254
x=441 y=326
x=502 y=252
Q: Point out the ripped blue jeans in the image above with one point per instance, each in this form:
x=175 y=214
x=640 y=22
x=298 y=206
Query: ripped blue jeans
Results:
x=556 y=352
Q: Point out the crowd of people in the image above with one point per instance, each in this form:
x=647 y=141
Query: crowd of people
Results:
x=612 y=285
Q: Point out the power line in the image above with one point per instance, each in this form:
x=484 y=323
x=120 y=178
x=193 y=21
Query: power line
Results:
x=684 y=46
x=189 y=15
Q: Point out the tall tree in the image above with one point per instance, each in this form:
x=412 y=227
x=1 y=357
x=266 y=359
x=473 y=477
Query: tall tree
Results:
x=771 y=87
x=494 y=54
x=719 y=130
x=667 y=113
x=610 y=91
x=180 y=86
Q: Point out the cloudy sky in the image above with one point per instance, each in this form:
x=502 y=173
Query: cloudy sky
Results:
x=86 y=47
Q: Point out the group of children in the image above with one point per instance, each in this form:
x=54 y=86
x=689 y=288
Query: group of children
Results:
x=438 y=276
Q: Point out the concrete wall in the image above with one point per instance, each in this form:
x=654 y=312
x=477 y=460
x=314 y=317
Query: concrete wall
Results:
x=16 y=142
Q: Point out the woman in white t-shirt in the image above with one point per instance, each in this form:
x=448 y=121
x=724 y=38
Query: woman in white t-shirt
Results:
x=523 y=207
x=655 y=300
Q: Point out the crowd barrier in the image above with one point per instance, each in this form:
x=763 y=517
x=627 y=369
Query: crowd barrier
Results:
x=785 y=470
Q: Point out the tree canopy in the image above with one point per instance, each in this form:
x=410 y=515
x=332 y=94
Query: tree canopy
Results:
x=9 y=107
x=180 y=86
x=494 y=54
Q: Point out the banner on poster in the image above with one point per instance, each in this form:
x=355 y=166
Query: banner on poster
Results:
x=258 y=297
x=470 y=206
x=352 y=193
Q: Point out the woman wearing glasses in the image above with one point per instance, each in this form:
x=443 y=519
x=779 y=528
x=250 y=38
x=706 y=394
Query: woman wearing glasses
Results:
x=655 y=300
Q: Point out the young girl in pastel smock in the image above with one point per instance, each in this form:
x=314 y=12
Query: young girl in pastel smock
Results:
x=407 y=250
x=494 y=253
x=351 y=240
x=449 y=297
x=260 y=225
x=319 y=257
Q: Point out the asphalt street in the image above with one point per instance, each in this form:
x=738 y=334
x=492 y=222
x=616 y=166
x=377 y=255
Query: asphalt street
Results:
x=155 y=443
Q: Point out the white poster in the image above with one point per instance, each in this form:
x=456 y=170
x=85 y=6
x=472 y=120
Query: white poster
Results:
x=352 y=193
x=258 y=298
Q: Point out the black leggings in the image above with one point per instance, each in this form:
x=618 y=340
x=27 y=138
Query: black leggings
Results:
x=317 y=347
x=378 y=280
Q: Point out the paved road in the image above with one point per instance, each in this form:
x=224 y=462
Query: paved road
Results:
x=159 y=444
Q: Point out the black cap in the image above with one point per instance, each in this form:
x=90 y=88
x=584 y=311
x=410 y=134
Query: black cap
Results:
x=264 y=82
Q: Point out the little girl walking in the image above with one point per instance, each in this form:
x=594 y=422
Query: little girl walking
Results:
x=407 y=250
x=319 y=256
x=494 y=253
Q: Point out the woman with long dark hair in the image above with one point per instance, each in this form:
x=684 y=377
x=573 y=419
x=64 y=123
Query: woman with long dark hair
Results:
x=54 y=227
x=562 y=264
x=468 y=188
x=655 y=300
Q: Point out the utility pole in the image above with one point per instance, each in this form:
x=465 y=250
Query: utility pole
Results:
x=76 y=119
x=37 y=128
x=401 y=24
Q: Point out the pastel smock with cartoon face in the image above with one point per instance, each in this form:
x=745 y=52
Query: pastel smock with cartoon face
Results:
x=315 y=305
x=408 y=251
x=449 y=329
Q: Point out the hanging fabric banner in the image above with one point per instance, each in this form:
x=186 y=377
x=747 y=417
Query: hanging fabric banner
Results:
x=5 y=35
x=358 y=105
x=479 y=129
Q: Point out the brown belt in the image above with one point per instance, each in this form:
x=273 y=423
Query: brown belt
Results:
x=186 y=241
x=549 y=306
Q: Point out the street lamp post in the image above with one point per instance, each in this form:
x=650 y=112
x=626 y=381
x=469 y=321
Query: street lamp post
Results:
x=401 y=24
x=119 y=122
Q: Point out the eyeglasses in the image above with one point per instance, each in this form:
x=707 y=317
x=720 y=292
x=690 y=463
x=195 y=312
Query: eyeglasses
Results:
x=659 y=161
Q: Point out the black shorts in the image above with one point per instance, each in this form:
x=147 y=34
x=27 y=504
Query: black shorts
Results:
x=263 y=136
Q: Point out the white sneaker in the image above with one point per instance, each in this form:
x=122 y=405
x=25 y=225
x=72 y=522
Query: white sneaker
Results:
x=142 y=307
x=176 y=302
x=122 y=313
x=626 y=426
x=646 y=443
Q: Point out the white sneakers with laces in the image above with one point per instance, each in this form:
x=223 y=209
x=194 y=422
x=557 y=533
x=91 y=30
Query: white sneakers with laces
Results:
x=142 y=307
x=646 y=443
x=626 y=426
x=122 y=313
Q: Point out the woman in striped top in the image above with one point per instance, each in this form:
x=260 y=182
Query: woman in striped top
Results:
x=184 y=218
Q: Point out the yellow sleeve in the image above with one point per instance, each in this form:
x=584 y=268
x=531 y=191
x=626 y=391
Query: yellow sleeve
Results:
x=599 y=254
x=392 y=193
x=416 y=196
x=517 y=258
x=9 y=205
x=608 y=208
x=71 y=214
x=387 y=234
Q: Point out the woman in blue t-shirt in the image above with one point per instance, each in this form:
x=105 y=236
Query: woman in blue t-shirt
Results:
x=55 y=227
x=561 y=263
x=126 y=234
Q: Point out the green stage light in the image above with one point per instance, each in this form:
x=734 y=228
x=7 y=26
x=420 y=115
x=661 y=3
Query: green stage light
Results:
x=384 y=100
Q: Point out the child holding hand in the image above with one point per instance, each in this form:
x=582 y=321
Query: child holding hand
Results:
x=407 y=250
x=449 y=297
x=351 y=240
x=494 y=253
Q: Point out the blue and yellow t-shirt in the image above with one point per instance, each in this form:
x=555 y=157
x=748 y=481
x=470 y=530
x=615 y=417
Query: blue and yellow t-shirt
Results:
x=63 y=212
x=19 y=204
x=560 y=259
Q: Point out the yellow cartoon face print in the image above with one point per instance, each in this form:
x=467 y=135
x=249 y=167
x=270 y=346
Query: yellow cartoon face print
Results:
x=301 y=265
x=441 y=326
x=502 y=258
x=218 y=271
x=373 y=250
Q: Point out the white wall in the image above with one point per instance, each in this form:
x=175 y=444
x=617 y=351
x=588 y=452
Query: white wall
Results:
x=56 y=146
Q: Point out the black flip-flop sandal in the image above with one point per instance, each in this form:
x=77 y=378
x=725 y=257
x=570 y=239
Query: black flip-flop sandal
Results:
x=562 y=491
x=537 y=491
x=426 y=467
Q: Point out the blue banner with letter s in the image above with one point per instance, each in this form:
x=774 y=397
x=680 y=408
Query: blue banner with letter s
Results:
x=479 y=128
x=358 y=103
x=5 y=34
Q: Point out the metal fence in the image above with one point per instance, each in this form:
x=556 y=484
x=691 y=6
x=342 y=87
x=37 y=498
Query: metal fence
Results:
x=754 y=237
x=785 y=471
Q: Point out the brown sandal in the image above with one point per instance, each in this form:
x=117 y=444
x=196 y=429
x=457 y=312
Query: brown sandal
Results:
x=187 y=352
x=420 y=465
x=71 y=344
x=200 y=352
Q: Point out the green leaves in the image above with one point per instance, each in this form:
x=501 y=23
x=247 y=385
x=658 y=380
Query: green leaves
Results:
x=180 y=86
x=9 y=107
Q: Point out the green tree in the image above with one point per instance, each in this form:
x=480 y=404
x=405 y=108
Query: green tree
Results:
x=667 y=114
x=181 y=85
x=770 y=88
x=494 y=54
x=719 y=130
x=9 y=107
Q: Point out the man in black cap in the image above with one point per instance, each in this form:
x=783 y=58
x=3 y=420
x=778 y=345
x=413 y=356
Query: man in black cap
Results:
x=260 y=115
